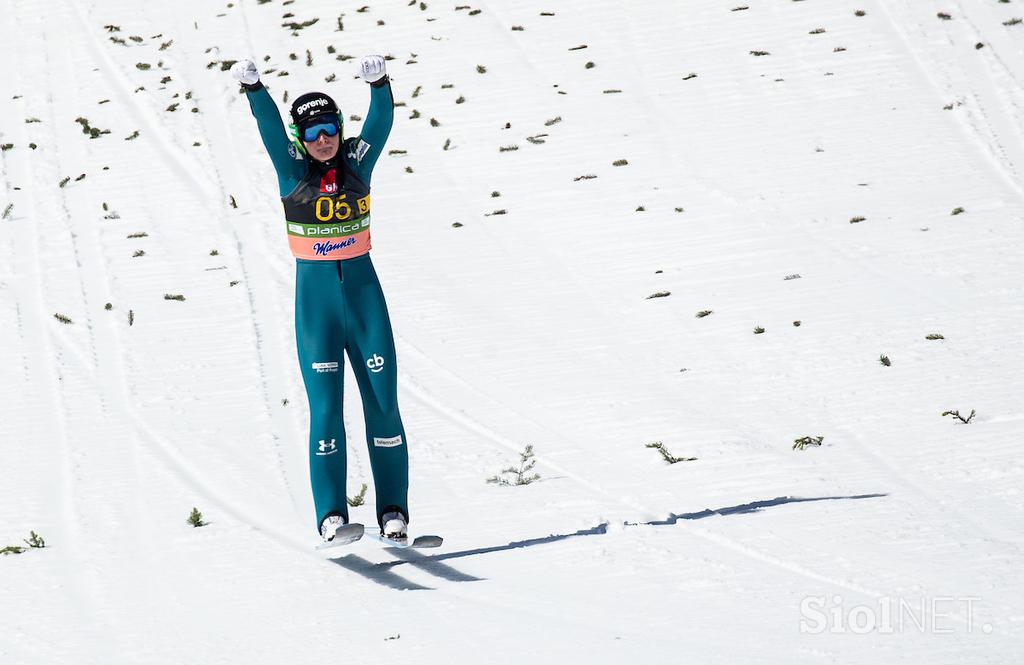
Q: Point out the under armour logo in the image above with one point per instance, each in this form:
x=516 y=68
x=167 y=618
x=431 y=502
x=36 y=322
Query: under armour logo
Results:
x=326 y=448
x=376 y=363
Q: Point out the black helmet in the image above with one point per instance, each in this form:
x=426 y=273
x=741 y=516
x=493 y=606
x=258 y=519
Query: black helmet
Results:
x=307 y=107
x=310 y=105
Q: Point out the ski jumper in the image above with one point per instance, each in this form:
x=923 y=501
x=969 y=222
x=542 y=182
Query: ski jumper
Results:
x=339 y=304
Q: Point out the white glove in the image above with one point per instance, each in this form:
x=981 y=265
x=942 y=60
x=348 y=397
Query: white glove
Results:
x=245 y=72
x=371 y=68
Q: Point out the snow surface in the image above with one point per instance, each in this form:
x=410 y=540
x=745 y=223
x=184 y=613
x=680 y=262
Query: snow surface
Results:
x=897 y=541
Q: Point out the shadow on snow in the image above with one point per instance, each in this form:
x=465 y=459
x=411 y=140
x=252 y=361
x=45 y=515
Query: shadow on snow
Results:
x=383 y=573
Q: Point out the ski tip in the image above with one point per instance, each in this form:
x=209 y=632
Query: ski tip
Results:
x=417 y=542
x=343 y=535
x=427 y=541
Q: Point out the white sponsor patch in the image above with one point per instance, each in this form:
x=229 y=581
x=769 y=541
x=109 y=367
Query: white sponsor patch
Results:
x=361 y=149
x=296 y=228
x=387 y=443
x=376 y=363
x=293 y=152
x=325 y=367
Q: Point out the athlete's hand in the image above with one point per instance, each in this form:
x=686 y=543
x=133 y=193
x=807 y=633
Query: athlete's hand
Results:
x=245 y=72
x=371 y=68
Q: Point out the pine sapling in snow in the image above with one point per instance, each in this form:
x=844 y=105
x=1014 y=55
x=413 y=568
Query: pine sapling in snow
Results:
x=666 y=455
x=956 y=414
x=195 y=518
x=35 y=540
x=518 y=476
x=358 y=499
x=805 y=441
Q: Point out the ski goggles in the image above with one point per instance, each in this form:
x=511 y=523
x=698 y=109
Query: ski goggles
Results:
x=311 y=132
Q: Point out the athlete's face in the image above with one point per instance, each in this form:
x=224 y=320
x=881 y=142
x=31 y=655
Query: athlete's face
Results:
x=324 y=147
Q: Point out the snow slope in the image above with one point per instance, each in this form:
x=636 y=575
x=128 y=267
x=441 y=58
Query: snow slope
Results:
x=530 y=327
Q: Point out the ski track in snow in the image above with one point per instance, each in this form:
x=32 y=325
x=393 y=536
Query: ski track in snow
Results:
x=518 y=329
x=987 y=121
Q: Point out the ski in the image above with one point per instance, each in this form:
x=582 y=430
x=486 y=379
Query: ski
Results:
x=419 y=542
x=345 y=534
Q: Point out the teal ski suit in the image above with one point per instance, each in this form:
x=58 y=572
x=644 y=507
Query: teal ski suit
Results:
x=339 y=304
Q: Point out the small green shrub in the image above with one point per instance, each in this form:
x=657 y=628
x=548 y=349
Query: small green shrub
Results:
x=956 y=415
x=666 y=455
x=803 y=442
x=518 y=476
x=35 y=540
x=358 y=499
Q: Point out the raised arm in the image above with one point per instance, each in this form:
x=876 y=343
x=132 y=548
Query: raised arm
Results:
x=379 y=118
x=275 y=139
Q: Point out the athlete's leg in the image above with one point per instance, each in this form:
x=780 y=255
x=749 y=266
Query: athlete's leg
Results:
x=319 y=336
x=371 y=349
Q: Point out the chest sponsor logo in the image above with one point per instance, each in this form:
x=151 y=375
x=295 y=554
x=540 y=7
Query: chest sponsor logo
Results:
x=329 y=182
x=325 y=367
x=325 y=248
x=329 y=230
x=334 y=230
x=375 y=363
x=387 y=443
